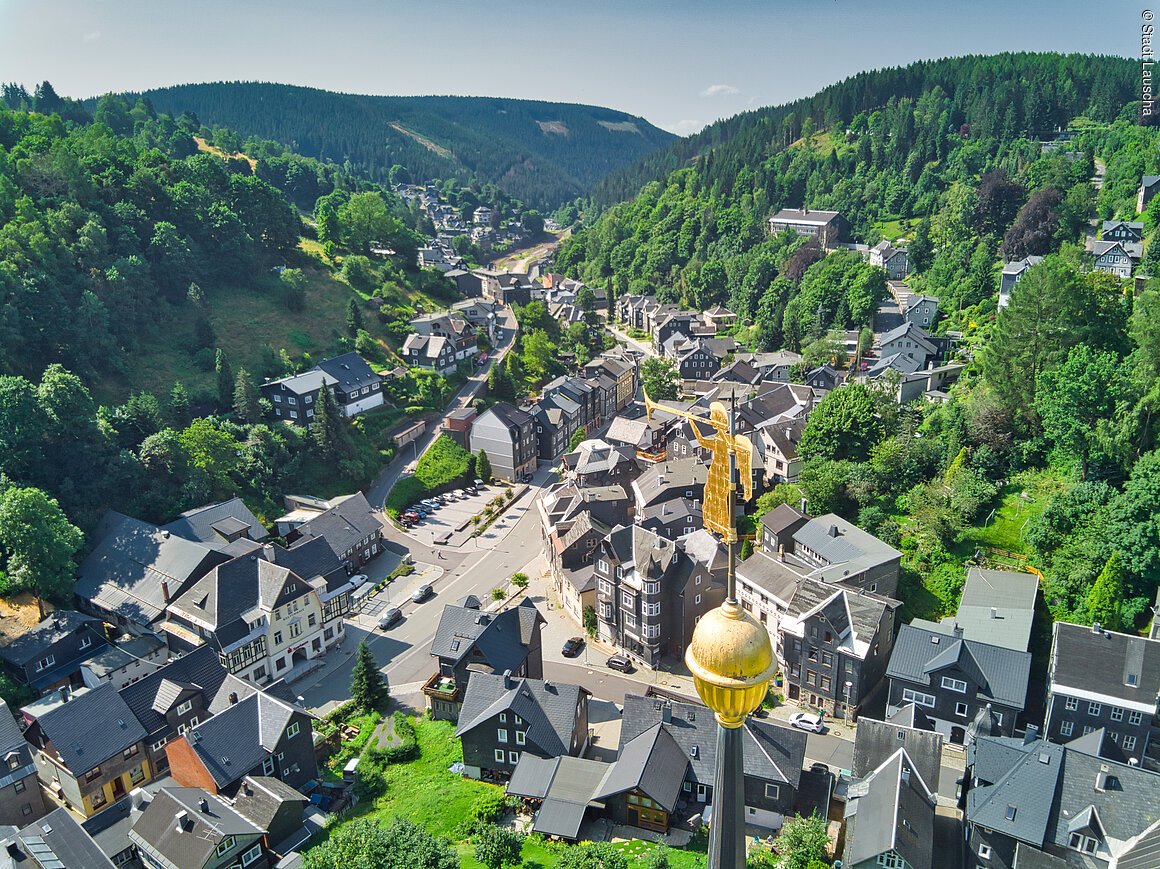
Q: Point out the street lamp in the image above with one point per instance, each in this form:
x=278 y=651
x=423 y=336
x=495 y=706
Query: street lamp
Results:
x=849 y=684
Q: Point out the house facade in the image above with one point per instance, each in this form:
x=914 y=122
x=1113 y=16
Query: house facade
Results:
x=356 y=388
x=1116 y=257
x=1012 y=273
x=1099 y=679
x=50 y=655
x=829 y=227
x=893 y=260
x=508 y=436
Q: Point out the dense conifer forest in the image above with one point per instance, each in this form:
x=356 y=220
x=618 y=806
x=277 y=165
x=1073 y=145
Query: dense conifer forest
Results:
x=543 y=153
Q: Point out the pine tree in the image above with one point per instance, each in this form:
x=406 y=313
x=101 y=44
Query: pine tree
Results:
x=225 y=379
x=483 y=466
x=327 y=428
x=354 y=320
x=246 y=398
x=179 y=406
x=1103 y=598
x=368 y=689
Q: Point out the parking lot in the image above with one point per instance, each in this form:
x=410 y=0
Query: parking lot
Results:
x=453 y=515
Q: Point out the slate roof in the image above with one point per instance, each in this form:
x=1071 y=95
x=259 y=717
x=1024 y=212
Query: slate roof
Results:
x=33 y=643
x=892 y=810
x=909 y=330
x=1027 y=857
x=56 y=841
x=666 y=479
x=772 y=753
x=845 y=547
x=1001 y=673
x=90 y=728
x=1133 y=249
x=260 y=797
x=202 y=524
x=1017 y=267
x=782 y=517
x=343 y=526
x=1102 y=664
x=509 y=416
x=804 y=215
x=349 y=370
x=635 y=432
x=548 y=708
x=238 y=738
x=193 y=844
x=200 y=667
x=310 y=558
x=220 y=598
x=876 y=741
x=567 y=786
x=1054 y=790
x=502 y=639
x=125 y=571
x=651 y=762
x=674 y=510
x=302 y=384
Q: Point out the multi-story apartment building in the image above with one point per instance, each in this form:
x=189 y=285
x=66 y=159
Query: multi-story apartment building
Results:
x=651 y=592
x=508 y=436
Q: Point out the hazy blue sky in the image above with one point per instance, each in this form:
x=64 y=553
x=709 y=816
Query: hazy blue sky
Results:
x=680 y=64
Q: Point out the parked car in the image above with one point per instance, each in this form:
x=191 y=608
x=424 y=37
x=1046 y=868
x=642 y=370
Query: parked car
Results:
x=480 y=484
x=619 y=662
x=389 y=617
x=471 y=490
x=807 y=721
x=421 y=593
x=358 y=579
x=572 y=647
x=460 y=494
x=526 y=478
x=432 y=503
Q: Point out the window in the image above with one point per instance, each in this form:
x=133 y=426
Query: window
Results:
x=268 y=766
x=602 y=566
x=253 y=854
x=26 y=809
x=827 y=659
x=772 y=791
x=130 y=751
x=277 y=638
x=652 y=609
x=954 y=684
x=98 y=799
x=19 y=786
x=1066 y=728
x=293 y=729
x=86 y=642
x=513 y=757
x=312 y=619
x=15 y=762
x=521 y=737
x=225 y=845
x=652 y=588
x=1094 y=708
x=697 y=600
x=984 y=852
x=1072 y=703
x=890 y=860
x=1135 y=718
x=45 y=663
x=605 y=587
x=499 y=755
x=137 y=774
x=1116 y=714
x=1129 y=743
x=627 y=601
x=184 y=707
x=961 y=709
x=1082 y=843
x=502 y=734
x=93 y=773
x=917 y=698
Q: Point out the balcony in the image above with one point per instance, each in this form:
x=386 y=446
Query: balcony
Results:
x=440 y=687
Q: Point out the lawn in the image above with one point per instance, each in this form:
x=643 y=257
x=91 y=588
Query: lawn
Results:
x=1024 y=497
x=892 y=229
x=424 y=790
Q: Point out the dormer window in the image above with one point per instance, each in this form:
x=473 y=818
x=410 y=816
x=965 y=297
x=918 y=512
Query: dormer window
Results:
x=1083 y=844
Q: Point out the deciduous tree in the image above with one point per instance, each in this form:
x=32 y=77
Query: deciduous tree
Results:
x=38 y=543
x=659 y=378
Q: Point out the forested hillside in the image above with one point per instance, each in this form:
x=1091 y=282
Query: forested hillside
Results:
x=146 y=289
x=1045 y=455
x=542 y=153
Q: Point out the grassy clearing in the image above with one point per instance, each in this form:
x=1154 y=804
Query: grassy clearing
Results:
x=1024 y=497
x=892 y=229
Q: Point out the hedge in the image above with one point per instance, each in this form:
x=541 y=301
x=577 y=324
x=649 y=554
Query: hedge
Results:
x=405 y=747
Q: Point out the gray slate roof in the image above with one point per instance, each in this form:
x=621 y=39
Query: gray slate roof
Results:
x=90 y=728
x=239 y=737
x=157 y=833
x=206 y=524
x=876 y=741
x=1102 y=663
x=1002 y=673
x=997 y=607
x=33 y=643
x=342 y=526
x=772 y=753
x=350 y=371
x=548 y=708
x=220 y=598
x=892 y=810
x=200 y=667
x=567 y=786
x=125 y=571
x=652 y=762
x=56 y=841
x=502 y=639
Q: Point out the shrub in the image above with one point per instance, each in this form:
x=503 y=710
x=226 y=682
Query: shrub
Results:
x=498 y=593
x=520 y=580
x=487 y=808
x=371 y=782
x=406 y=747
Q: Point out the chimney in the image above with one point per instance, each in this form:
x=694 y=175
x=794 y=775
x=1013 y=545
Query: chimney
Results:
x=508 y=682
x=165 y=590
x=994 y=612
x=667 y=713
x=233 y=697
x=958 y=631
x=1096 y=628
x=1102 y=778
x=1031 y=734
x=268 y=551
x=833 y=532
x=803 y=506
x=203 y=806
x=180 y=819
x=781 y=552
x=64 y=694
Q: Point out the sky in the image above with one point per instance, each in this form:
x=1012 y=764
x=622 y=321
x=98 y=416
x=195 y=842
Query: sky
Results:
x=677 y=63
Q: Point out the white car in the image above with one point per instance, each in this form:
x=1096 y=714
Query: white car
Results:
x=358 y=579
x=807 y=721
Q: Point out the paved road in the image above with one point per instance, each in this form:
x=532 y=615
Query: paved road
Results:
x=378 y=490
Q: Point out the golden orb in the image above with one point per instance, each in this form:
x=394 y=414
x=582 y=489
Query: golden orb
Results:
x=732 y=661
